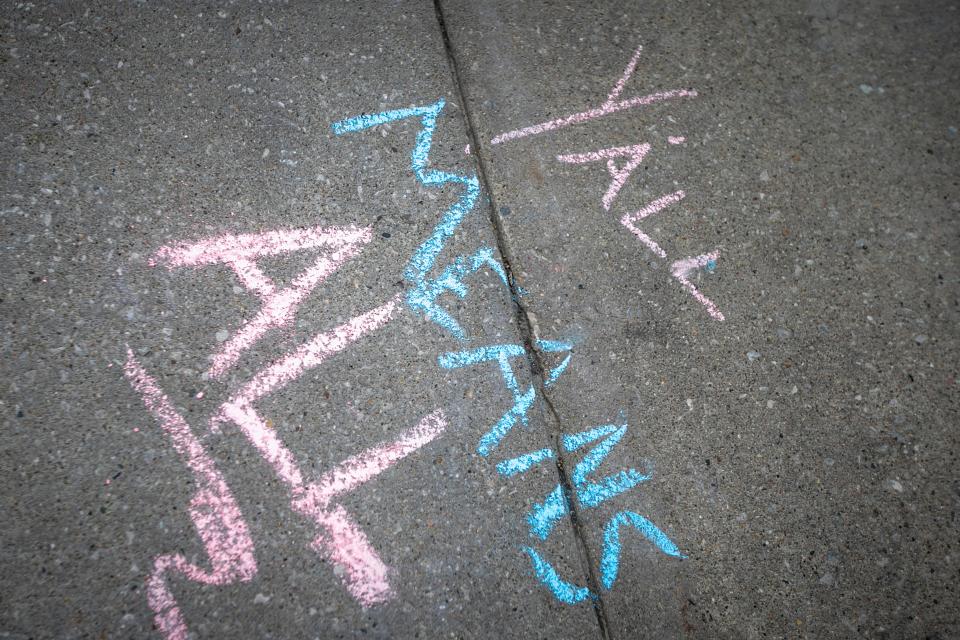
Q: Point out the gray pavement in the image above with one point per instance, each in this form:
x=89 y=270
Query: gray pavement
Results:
x=605 y=457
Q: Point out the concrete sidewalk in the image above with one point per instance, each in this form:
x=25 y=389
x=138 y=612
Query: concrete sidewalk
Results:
x=479 y=319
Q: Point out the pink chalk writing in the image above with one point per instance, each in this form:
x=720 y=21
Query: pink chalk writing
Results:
x=584 y=116
x=314 y=352
x=239 y=408
x=681 y=270
x=629 y=219
x=618 y=176
x=337 y=244
x=610 y=105
x=622 y=82
x=356 y=470
x=634 y=155
x=340 y=537
x=214 y=512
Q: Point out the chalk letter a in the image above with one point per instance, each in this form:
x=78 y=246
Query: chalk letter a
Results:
x=618 y=175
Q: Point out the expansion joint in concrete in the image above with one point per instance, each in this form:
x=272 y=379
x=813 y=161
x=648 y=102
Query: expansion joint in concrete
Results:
x=525 y=326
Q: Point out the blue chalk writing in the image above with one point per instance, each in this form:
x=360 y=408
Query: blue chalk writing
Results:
x=573 y=441
x=610 y=562
x=361 y=122
x=555 y=373
x=422 y=297
x=457 y=359
x=596 y=493
x=592 y=460
x=490 y=440
x=544 y=516
x=552 y=346
x=522 y=400
x=520 y=464
x=452 y=280
x=562 y=590
x=423 y=294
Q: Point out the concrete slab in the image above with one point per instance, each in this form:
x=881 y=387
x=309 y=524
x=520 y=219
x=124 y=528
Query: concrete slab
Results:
x=801 y=449
x=134 y=128
x=175 y=173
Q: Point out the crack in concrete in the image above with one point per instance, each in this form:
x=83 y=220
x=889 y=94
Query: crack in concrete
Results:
x=527 y=327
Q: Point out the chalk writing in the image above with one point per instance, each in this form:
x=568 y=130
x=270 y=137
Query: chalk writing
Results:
x=544 y=516
x=216 y=516
x=522 y=401
x=425 y=290
x=589 y=494
x=214 y=512
x=339 y=538
x=571 y=593
x=610 y=561
x=240 y=254
x=629 y=219
x=681 y=270
x=610 y=105
x=618 y=176
x=634 y=154
x=423 y=297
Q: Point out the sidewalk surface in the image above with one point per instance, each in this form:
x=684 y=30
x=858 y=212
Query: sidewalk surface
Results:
x=480 y=319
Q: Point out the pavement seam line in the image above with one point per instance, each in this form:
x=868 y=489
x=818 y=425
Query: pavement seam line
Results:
x=525 y=327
